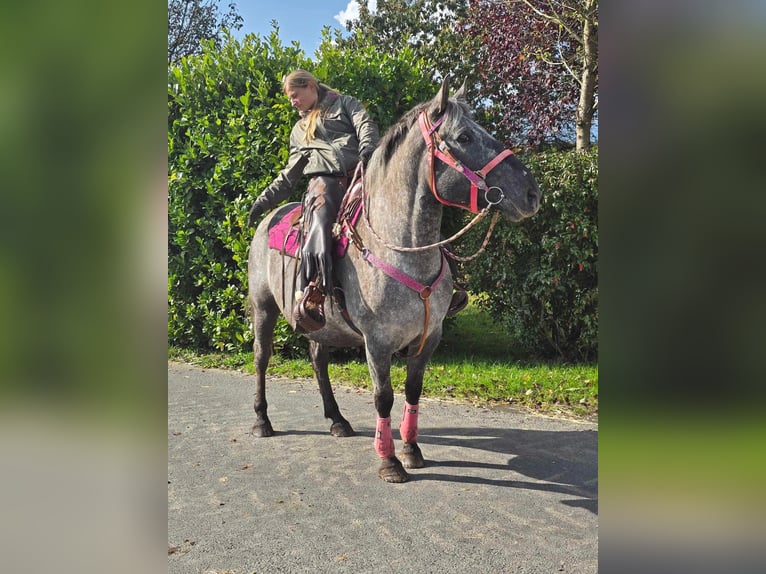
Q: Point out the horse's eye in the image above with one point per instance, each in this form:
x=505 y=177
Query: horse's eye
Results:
x=463 y=138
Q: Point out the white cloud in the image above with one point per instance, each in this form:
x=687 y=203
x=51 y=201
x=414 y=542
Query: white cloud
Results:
x=352 y=11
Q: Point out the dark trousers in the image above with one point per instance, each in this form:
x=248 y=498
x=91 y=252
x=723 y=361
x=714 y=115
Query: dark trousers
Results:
x=320 y=208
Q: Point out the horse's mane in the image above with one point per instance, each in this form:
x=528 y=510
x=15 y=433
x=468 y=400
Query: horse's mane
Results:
x=396 y=134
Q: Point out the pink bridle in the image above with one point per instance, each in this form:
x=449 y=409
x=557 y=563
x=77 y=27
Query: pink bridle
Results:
x=438 y=148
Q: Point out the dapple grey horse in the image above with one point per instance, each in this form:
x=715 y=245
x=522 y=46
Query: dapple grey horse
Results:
x=394 y=276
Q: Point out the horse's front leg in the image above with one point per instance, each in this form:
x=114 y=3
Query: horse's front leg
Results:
x=320 y=357
x=379 y=363
x=412 y=457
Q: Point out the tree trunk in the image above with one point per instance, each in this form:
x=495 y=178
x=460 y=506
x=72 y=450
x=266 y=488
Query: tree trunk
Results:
x=586 y=105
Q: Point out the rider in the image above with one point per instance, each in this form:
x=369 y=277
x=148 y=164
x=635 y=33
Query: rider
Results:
x=334 y=133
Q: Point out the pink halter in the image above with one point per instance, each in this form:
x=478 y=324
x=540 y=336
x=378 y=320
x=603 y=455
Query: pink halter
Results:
x=437 y=147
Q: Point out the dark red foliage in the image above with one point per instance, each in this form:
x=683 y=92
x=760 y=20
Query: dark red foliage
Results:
x=533 y=100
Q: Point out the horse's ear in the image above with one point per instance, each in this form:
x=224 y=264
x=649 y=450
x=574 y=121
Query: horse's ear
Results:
x=460 y=94
x=439 y=103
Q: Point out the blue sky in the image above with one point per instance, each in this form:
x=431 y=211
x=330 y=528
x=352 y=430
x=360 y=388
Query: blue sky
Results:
x=300 y=20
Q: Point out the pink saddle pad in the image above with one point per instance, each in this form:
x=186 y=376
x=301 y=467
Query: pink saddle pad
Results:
x=284 y=236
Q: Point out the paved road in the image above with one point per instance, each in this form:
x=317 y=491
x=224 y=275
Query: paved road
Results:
x=503 y=491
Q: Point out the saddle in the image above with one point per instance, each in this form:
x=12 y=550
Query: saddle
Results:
x=285 y=231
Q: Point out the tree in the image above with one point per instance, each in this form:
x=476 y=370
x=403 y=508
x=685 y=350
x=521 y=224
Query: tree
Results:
x=531 y=65
x=542 y=55
x=387 y=84
x=426 y=27
x=191 y=21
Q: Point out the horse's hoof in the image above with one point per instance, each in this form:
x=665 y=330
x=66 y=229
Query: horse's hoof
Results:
x=411 y=456
x=262 y=430
x=391 y=470
x=341 y=429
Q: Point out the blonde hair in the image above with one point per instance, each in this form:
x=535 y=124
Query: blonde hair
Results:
x=304 y=79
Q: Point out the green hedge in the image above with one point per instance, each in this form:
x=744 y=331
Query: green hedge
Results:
x=228 y=133
x=540 y=277
x=227 y=125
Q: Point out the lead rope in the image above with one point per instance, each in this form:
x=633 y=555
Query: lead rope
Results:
x=479 y=217
x=484 y=243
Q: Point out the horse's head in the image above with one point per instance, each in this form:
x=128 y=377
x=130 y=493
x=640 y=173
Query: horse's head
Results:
x=468 y=167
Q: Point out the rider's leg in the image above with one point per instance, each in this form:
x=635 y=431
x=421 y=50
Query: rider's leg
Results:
x=320 y=207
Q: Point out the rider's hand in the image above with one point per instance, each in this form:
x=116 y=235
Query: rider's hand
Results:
x=364 y=155
x=255 y=213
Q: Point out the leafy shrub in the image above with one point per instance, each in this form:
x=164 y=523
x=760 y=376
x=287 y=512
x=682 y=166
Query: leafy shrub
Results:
x=541 y=276
x=227 y=128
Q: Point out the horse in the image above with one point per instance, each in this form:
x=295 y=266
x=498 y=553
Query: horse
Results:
x=395 y=282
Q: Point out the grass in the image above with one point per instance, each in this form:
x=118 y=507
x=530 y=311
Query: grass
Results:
x=474 y=363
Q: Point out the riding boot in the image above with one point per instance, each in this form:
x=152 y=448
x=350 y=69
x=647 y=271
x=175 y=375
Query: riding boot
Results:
x=459 y=294
x=459 y=300
x=320 y=207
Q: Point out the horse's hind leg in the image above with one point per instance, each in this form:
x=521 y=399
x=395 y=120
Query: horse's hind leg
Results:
x=320 y=357
x=412 y=457
x=264 y=317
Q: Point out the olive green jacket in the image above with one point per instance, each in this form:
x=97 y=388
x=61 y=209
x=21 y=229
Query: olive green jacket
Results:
x=344 y=130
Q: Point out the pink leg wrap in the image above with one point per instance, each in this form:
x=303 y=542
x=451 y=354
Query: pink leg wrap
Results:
x=409 y=425
x=384 y=442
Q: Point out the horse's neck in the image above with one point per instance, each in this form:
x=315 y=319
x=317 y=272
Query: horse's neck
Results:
x=401 y=211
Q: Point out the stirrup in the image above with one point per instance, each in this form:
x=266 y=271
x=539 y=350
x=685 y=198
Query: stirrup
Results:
x=308 y=313
x=458 y=302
